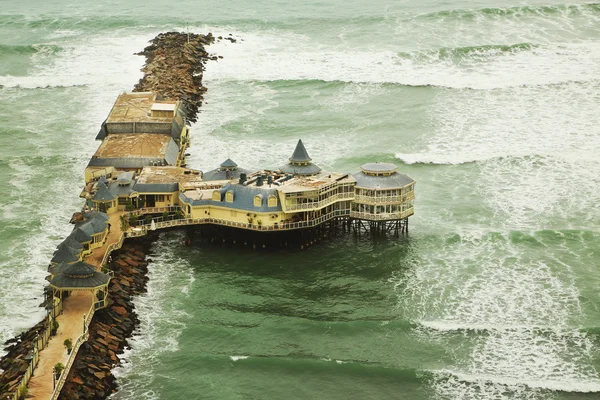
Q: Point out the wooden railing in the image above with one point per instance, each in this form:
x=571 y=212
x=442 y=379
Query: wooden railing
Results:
x=382 y=216
x=384 y=199
x=112 y=247
x=143 y=229
x=84 y=336
x=39 y=345
x=319 y=204
x=154 y=210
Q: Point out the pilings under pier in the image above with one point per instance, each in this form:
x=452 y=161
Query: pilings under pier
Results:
x=380 y=228
x=294 y=239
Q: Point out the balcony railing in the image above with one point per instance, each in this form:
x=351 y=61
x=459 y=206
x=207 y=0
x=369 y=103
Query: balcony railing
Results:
x=319 y=204
x=282 y=226
x=382 y=216
x=360 y=198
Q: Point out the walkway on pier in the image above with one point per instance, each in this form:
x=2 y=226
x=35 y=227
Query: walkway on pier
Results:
x=71 y=321
x=71 y=326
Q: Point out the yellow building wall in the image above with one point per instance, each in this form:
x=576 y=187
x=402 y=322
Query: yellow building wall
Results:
x=110 y=207
x=240 y=216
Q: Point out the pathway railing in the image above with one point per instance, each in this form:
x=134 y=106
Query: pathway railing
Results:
x=141 y=230
x=319 y=204
x=382 y=216
x=112 y=247
x=154 y=210
x=84 y=336
x=39 y=345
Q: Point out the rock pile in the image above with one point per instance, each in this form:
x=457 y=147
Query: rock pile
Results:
x=174 y=66
x=91 y=377
x=14 y=364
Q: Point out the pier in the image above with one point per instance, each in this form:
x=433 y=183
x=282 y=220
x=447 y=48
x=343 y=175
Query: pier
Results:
x=138 y=183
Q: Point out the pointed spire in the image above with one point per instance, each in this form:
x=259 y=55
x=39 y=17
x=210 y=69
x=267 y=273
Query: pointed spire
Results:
x=229 y=163
x=300 y=155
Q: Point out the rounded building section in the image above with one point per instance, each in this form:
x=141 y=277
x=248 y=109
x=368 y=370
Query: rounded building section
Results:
x=382 y=194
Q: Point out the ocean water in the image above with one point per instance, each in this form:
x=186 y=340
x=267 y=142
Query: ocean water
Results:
x=492 y=106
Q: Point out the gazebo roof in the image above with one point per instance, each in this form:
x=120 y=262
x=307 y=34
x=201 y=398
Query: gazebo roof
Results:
x=65 y=254
x=95 y=280
x=78 y=268
x=93 y=223
x=80 y=235
x=70 y=243
x=103 y=194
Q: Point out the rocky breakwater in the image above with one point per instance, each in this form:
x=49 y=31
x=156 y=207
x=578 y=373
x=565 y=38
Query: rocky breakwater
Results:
x=174 y=67
x=16 y=361
x=91 y=376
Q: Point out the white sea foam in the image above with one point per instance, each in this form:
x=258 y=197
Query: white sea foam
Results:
x=162 y=320
x=518 y=308
x=236 y=358
x=272 y=56
x=87 y=61
x=213 y=141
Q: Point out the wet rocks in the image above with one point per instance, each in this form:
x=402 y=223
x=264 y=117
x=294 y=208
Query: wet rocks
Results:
x=14 y=363
x=77 y=217
x=91 y=376
x=174 y=67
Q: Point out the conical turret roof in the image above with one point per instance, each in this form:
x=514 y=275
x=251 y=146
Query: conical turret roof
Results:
x=103 y=194
x=229 y=163
x=300 y=162
x=300 y=154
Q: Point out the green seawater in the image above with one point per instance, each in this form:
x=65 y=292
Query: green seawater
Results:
x=491 y=106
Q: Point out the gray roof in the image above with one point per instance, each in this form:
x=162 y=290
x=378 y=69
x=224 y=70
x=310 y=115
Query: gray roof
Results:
x=80 y=235
x=102 y=132
x=382 y=182
x=229 y=163
x=97 y=279
x=95 y=214
x=70 y=243
x=65 y=254
x=77 y=268
x=93 y=223
x=379 y=167
x=220 y=174
x=121 y=190
x=298 y=162
x=309 y=169
x=300 y=153
x=156 y=187
x=243 y=198
x=103 y=194
x=125 y=178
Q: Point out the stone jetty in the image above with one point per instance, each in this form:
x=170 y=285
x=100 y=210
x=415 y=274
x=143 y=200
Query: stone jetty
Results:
x=91 y=376
x=174 y=67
